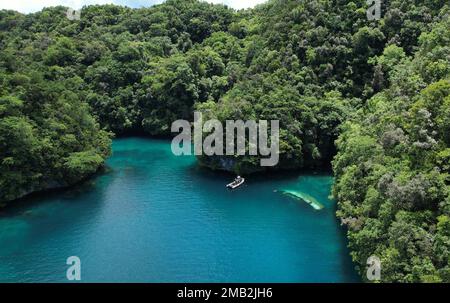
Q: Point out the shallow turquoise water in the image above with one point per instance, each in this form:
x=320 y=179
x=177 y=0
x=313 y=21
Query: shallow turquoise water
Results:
x=154 y=217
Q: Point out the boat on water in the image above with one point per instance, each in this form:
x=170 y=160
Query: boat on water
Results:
x=236 y=183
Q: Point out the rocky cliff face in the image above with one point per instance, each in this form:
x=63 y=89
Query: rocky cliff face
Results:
x=47 y=185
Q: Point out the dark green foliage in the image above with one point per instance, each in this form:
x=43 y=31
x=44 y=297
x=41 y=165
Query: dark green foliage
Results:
x=320 y=67
x=392 y=170
x=48 y=137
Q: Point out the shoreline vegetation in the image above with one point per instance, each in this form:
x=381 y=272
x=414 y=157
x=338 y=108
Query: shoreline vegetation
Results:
x=370 y=98
x=38 y=194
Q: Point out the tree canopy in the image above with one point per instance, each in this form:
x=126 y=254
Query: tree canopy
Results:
x=380 y=88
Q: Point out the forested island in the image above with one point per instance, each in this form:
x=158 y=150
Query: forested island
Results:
x=369 y=98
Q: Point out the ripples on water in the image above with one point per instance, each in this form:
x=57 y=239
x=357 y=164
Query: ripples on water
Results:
x=154 y=217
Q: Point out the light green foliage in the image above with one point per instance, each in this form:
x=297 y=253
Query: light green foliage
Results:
x=380 y=88
x=392 y=167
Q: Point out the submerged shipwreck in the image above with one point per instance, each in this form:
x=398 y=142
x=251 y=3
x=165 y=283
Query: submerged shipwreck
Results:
x=298 y=195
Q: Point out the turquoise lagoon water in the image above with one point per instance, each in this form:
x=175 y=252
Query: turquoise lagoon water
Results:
x=154 y=217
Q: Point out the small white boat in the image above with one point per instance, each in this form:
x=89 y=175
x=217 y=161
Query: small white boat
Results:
x=236 y=183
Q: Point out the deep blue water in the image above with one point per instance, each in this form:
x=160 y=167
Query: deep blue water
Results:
x=154 y=217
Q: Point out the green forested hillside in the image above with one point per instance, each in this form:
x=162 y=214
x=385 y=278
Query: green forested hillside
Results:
x=320 y=67
x=48 y=138
x=393 y=165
